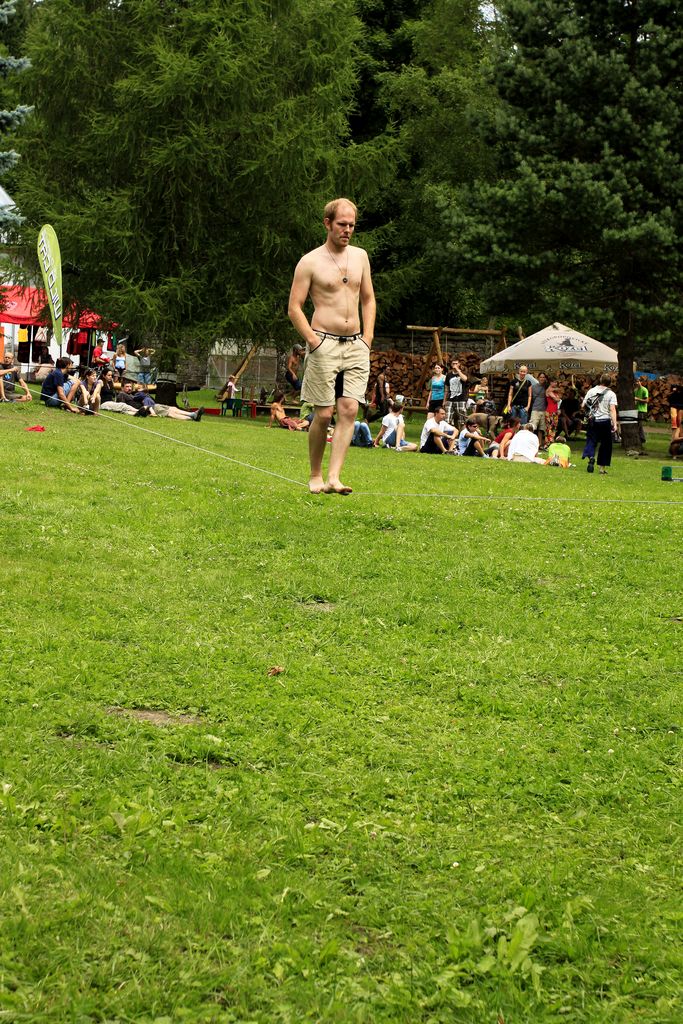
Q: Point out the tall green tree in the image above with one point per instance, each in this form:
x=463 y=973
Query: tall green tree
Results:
x=584 y=223
x=183 y=153
x=10 y=120
x=418 y=107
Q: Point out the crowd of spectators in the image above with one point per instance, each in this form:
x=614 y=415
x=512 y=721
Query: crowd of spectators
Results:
x=533 y=423
x=89 y=390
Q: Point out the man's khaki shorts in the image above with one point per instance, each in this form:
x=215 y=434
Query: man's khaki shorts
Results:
x=337 y=368
x=538 y=420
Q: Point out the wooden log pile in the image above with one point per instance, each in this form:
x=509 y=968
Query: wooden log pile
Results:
x=405 y=370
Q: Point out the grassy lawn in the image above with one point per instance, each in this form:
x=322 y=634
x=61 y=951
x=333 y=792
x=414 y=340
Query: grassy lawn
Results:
x=458 y=798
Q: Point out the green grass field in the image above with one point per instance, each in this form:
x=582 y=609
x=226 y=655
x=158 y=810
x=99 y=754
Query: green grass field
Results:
x=458 y=800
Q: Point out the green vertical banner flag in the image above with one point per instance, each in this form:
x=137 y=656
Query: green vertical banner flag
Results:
x=51 y=266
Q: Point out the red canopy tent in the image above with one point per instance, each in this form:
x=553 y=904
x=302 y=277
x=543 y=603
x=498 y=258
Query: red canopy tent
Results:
x=29 y=306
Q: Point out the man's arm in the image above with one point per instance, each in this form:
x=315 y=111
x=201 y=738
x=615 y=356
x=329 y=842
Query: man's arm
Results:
x=367 y=304
x=27 y=392
x=301 y=286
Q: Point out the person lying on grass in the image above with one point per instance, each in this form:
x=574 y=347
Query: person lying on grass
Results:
x=559 y=453
x=136 y=402
x=279 y=416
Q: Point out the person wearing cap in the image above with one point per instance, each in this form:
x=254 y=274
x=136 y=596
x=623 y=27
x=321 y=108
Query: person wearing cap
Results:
x=292 y=372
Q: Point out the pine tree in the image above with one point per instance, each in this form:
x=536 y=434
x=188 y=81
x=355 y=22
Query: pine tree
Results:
x=418 y=101
x=10 y=120
x=584 y=223
x=183 y=153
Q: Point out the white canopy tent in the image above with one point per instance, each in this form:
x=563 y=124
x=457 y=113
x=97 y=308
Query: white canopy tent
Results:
x=554 y=349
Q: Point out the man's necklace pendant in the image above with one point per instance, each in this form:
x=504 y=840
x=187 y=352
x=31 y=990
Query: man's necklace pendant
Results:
x=345 y=280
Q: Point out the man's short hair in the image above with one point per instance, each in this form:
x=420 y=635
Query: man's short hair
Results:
x=330 y=211
x=606 y=379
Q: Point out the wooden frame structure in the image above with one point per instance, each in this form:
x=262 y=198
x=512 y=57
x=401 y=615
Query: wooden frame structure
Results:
x=435 y=351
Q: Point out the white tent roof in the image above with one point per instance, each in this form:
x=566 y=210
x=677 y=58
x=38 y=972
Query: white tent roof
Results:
x=553 y=349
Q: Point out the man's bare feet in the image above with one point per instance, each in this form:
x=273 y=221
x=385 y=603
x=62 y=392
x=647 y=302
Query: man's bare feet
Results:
x=316 y=485
x=337 y=488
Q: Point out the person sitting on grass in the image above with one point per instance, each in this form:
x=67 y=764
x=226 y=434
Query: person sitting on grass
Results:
x=437 y=437
x=104 y=388
x=524 y=446
x=278 y=415
x=362 y=436
x=393 y=429
x=498 y=449
x=57 y=388
x=10 y=378
x=87 y=393
x=470 y=441
x=559 y=453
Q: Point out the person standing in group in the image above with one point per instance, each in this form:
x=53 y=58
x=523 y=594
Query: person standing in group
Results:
x=537 y=406
x=456 y=394
x=600 y=404
x=336 y=276
x=382 y=390
x=642 y=397
x=292 y=371
x=120 y=360
x=519 y=394
x=437 y=389
x=553 y=398
x=145 y=360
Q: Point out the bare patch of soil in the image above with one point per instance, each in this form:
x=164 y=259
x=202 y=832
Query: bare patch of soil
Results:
x=154 y=717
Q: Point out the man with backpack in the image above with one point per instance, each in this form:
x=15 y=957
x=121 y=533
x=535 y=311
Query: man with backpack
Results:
x=600 y=406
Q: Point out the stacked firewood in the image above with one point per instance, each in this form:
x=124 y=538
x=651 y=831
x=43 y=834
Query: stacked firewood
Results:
x=404 y=372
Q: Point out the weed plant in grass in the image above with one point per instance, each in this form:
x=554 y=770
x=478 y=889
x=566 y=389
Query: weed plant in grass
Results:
x=407 y=756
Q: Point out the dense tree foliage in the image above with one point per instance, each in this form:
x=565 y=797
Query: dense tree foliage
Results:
x=526 y=164
x=583 y=222
x=10 y=120
x=421 y=100
x=183 y=153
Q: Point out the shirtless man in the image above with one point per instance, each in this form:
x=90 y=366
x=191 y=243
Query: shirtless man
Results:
x=292 y=374
x=336 y=275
